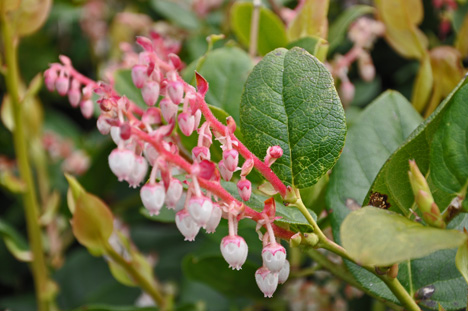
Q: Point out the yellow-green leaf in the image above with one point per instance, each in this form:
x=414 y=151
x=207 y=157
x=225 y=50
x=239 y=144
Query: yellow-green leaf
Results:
x=461 y=260
x=423 y=85
x=30 y=16
x=374 y=236
x=461 y=43
x=401 y=18
x=310 y=21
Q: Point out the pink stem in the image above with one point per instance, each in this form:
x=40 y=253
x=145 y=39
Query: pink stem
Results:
x=243 y=150
x=214 y=187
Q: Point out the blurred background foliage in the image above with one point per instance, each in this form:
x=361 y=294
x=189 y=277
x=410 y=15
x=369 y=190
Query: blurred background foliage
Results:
x=91 y=34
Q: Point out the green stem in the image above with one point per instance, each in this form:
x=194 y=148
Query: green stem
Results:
x=254 y=28
x=393 y=284
x=38 y=265
x=143 y=281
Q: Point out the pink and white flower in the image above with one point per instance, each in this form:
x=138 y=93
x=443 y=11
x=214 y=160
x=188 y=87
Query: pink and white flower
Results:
x=234 y=250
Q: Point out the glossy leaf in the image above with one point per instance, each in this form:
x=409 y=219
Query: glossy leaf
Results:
x=401 y=18
x=15 y=243
x=461 y=260
x=310 y=21
x=271 y=28
x=377 y=132
x=374 y=236
x=226 y=70
x=339 y=27
x=392 y=179
x=290 y=100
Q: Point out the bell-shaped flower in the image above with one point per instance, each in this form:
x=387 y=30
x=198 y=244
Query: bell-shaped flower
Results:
x=274 y=256
x=200 y=209
x=168 y=109
x=231 y=159
x=152 y=196
x=121 y=162
x=150 y=92
x=140 y=168
x=139 y=75
x=62 y=84
x=225 y=173
x=200 y=153
x=175 y=90
x=234 y=250
x=284 y=272
x=102 y=125
x=186 y=123
x=214 y=220
x=244 y=187
x=87 y=108
x=186 y=225
x=267 y=281
x=174 y=193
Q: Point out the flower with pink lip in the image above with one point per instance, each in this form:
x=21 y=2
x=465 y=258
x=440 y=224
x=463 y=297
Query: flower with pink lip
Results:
x=175 y=90
x=139 y=75
x=150 y=92
x=200 y=208
x=74 y=94
x=274 y=256
x=186 y=123
x=214 y=220
x=87 y=108
x=102 y=125
x=231 y=159
x=234 y=250
x=140 y=168
x=174 y=192
x=244 y=187
x=168 y=109
x=225 y=173
x=267 y=281
x=186 y=225
x=50 y=76
x=121 y=163
x=152 y=196
x=284 y=272
x=200 y=153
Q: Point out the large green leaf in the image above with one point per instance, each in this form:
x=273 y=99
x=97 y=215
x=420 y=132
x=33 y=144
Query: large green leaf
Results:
x=374 y=236
x=175 y=12
x=425 y=147
x=377 y=132
x=290 y=100
x=226 y=71
x=272 y=33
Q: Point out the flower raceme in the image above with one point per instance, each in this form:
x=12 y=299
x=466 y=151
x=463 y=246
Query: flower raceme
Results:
x=146 y=140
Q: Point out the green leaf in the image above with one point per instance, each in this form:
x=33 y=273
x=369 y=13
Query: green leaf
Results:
x=15 y=243
x=124 y=86
x=392 y=179
x=181 y=16
x=461 y=260
x=377 y=132
x=92 y=221
x=374 y=236
x=271 y=29
x=226 y=70
x=311 y=20
x=314 y=45
x=291 y=217
x=339 y=28
x=166 y=215
x=105 y=307
x=214 y=271
x=290 y=100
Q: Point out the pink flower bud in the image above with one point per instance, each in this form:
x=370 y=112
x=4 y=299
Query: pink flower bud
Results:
x=74 y=96
x=225 y=173
x=50 y=76
x=62 y=84
x=284 y=272
x=186 y=123
x=274 y=256
x=150 y=153
x=231 y=159
x=102 y=125
x=152 y=196
x=346 y=92
x=214 y=220
x=175 y=90
x=244 y=187
x=121 y=163
x=139 y=75
x=125 y=131
x=201 y=153
x=366 y=67
x=186 y=225
x=197 y=117
x=150 y=92
x=174 y=192
x=87 y=108
x=275 y=152
x=140 y=168
x=247 y=167
x=267 y=281
x=168 y=109
x=151 y=116
x=200 y=209
x=234 y=250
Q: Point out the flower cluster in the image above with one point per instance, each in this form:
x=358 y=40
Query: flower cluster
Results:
x=146 y=140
